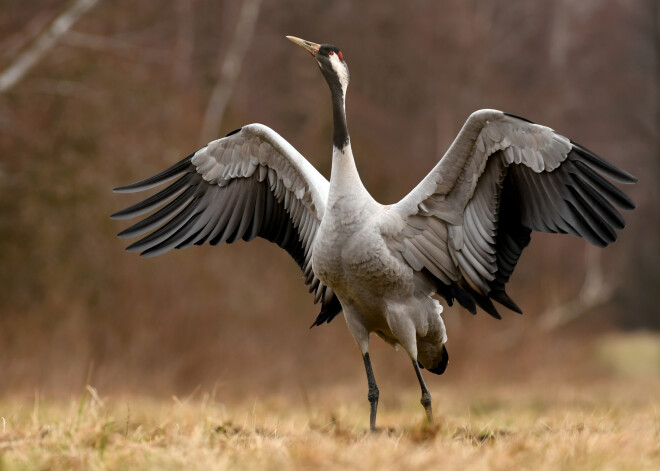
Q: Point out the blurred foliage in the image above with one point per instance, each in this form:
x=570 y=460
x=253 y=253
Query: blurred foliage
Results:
x=123 y=95
x=631 y=355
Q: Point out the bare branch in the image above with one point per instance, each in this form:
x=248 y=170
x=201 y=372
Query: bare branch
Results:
x=230 y=69
x=12 y=45
x=123 y=48
x=46 y=40
x=185 y=43
x=595 y=291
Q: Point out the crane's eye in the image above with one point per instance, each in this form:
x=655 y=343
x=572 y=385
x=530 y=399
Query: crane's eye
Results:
x=330 y=53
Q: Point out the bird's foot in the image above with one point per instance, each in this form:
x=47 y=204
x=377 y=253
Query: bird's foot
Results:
x=373 y=401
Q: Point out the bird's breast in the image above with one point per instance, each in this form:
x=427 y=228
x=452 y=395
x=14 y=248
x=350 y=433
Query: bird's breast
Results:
x=351 y=256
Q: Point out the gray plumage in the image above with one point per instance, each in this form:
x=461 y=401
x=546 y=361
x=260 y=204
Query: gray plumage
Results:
x=458 y=234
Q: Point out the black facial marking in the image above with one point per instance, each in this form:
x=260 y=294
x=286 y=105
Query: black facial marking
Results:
x=340 y=135
x=326 y=49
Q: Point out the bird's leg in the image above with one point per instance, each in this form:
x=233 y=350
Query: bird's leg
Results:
x=373 y=391
x=426 y=395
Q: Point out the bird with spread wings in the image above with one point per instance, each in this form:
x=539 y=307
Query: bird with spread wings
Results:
x=458 y=234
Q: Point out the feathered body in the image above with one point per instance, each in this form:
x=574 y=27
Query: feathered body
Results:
x=378 y=290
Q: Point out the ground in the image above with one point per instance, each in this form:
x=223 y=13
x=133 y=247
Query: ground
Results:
x=606 y=424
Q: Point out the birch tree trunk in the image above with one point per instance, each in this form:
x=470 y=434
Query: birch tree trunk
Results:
x=44 y=42
x=231 y=66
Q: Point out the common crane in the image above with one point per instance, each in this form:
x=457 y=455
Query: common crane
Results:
x=458 y=233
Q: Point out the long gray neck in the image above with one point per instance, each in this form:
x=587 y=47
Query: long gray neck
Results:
x=344 y=179
x=340 y=137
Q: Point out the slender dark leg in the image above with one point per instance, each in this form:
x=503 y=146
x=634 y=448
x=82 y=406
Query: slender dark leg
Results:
x=373 y=391
x=426 y=395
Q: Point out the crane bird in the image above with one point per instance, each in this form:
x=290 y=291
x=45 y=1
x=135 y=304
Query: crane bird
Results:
x=458 y=234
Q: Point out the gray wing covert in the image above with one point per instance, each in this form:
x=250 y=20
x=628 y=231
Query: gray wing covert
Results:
x=251 y=183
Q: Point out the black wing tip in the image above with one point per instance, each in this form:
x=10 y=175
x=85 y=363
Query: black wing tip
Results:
x=328 y=311
x=178 y=168
x=320 y=320
x=519 y=117
x=505 y=300
x=483 y=301
x=124 y=234
x=120 y=215
x=150 y=253
x=130 y=188
x=487 y=305
x=614 y=172
x=470 y=299
x=134 y=247
x=235 y=131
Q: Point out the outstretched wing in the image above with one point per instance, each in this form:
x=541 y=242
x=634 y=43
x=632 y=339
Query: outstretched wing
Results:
x=469 y=220
x=251 y=183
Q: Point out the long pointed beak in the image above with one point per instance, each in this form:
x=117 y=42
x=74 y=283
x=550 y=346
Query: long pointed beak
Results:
x=311 y=47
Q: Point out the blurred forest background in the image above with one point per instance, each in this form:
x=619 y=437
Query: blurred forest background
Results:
x=132 y=87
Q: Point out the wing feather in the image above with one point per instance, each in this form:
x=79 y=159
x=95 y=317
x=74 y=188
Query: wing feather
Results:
x=249 y=184
x=160 y=216
x=502 y=178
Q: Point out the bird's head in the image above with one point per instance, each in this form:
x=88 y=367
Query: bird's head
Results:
x=330 y=60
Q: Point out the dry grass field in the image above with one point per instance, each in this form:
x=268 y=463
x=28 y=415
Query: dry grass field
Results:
x=202 y=358
x=610 y=423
